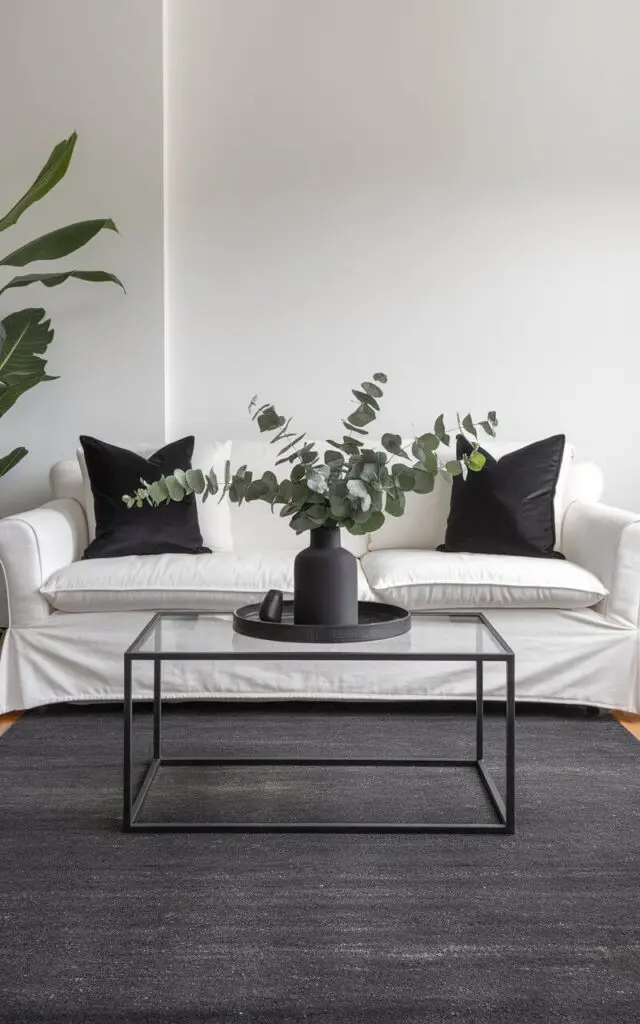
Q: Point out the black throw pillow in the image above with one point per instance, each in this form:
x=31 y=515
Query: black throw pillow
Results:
x=507 y=508
x=167 y=529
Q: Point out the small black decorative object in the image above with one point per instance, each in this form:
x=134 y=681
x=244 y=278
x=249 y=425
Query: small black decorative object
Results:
x=271 y=607
x=376 y=621
x=325 y=582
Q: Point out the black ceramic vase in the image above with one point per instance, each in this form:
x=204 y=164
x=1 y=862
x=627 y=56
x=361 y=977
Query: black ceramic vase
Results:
x=325 y=582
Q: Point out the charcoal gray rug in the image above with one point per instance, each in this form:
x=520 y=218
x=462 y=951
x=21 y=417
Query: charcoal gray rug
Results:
x=97 y=926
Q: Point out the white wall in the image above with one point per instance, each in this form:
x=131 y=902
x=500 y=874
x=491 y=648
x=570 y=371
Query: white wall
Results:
x=96 y=68
x=446 y=190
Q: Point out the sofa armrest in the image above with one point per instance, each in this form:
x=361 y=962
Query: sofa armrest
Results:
x=32 y=546
x=606 y=541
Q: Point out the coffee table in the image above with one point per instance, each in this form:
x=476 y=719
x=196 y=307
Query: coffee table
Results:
x=434 y=637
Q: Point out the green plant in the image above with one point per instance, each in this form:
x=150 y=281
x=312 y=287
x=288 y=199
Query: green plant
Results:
x=26 y=334
x=351 y=486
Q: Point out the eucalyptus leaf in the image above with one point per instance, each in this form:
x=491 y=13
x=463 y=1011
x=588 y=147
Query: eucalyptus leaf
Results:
x=174 y=489
x=476 y=461
x=395 y=503
x=362 y=416
x=381 y=377
x=257 y=409
x=284 y=492
x=374 y=521
x=196 y=481
x=301 y=493
x=356 y=430
x=453 y=468
x=405 y=479
x=351 y=445
x=426 y=457
x=269 y=420
x=440 y=431
x=334 y=459
x=392 y=443
x=317 y=513
x=288 y=447
x=428 y=441
x=366 y=399
x=270 y=479
x=257 y=490
x=469 y=426
x=157 y=493
x=423 y=481
x=369 y=472
x=300 y=522
x=339 y=506
x=372 y=389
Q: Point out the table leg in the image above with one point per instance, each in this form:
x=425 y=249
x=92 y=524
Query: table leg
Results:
x=479 y=711
x=127 y=794
x=511 y=745
x=157 y=707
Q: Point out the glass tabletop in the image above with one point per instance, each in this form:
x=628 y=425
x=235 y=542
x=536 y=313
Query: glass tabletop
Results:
x=433 y=636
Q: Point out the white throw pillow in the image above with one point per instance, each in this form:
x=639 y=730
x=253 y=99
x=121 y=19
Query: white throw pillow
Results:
x=214 y=516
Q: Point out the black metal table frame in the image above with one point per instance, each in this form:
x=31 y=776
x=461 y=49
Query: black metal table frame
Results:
x=133 y=803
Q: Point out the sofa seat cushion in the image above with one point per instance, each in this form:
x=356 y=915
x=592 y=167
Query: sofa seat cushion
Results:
x=220 y=582
x=423 y=580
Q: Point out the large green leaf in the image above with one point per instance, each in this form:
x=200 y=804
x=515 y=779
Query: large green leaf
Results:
x=9 y=395
x=52 y=172
x=12 y=459
x=24 y=337
x=57 y=243
x=53 y=279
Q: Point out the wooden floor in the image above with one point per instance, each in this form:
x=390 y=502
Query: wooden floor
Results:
x=6 y=721
x=630 y=722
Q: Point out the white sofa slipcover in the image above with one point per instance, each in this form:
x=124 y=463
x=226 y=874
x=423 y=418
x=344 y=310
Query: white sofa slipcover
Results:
x=574 y=625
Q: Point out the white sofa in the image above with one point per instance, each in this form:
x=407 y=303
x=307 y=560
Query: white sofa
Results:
x=574 y=624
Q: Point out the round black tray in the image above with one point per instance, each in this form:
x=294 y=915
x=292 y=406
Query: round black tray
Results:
x=375 y=622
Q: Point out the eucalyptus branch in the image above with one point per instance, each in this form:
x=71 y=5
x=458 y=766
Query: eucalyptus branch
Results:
x=354 y=487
